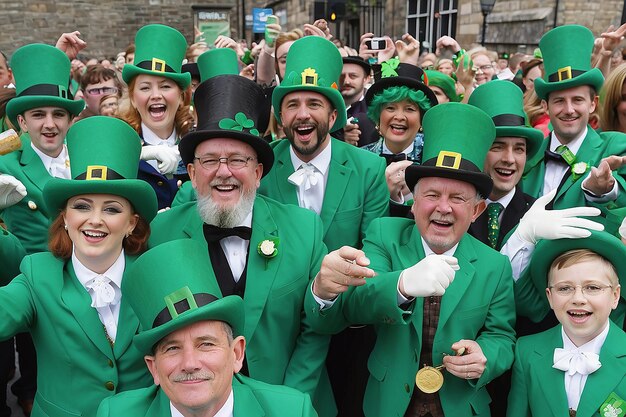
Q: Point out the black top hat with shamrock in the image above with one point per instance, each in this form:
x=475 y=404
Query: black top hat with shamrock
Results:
x=42 y=74
x=159 y=50
x=457 y=149
x=104 y=159
x=566 y=54
x=230 y=106
x=168 y=289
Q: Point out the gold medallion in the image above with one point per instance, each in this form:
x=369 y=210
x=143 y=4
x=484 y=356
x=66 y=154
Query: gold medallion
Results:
x=429 y=379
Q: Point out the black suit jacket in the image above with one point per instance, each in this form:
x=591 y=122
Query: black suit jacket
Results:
x=366 y=126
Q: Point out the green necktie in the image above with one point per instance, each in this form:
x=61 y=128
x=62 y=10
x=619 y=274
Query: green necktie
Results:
x=493 y=212
x=567 y=155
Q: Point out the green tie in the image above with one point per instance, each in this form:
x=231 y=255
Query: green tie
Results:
x=567 y=155
x=493 y=212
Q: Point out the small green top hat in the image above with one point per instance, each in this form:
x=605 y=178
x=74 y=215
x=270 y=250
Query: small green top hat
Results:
x=159 y=50
x=457 y=138
x=104 y=159
x=566 y=54
x=42 y=74
x=220 y=61
x=600 y=242
x=313 y=64
x=503 y=101
x=168 y=289
x=443 y=81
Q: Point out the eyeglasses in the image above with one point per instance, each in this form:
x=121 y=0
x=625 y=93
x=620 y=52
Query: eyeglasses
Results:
x=233 y=162
x=589 y=290
x=102 y=90
x=483 y=68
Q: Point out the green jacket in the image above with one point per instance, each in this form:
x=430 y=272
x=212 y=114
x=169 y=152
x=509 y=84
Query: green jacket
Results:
x=11 y=255
x=76 y=366
x=281 y=347
x=356 y=191
x=250 y=399
x=538 y=389
x=478 y=305
x=28 y=219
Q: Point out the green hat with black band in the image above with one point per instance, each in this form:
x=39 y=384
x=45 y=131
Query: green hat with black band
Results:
x=503 y=101
x=42 y=74
x=443 y=81
x=159 y=51
x=457 y=149
x=168 y=289
x=313 y=64
x=104 y=159
x=566 y=54
x=219 y=61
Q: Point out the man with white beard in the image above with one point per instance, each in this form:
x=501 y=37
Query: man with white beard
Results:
x=264 y=251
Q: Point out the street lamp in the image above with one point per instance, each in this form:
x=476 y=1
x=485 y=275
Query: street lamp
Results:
x=486 y=6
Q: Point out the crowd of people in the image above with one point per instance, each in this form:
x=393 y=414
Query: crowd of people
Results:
x=306 y=229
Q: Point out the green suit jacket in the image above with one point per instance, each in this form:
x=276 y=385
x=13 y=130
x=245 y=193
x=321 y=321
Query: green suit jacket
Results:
x=478 y=305
x=29 y=218
x=537 y=389
x=76 y=366
x=356 y=191
x=281 y=346
x=11 y=255
x=250 y=399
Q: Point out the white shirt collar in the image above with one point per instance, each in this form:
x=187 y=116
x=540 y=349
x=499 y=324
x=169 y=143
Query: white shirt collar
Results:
x=505 y=201
x=428 y=251
x=573 y=146
x=247 y=221
x=227 y=409
x=321 y=161
x=114 y=273
x=407 y=151
x=151 y=138
x=48 y=160
x=354 y=102
x=593 y=346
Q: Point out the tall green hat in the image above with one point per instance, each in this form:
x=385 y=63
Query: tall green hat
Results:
x=566 y=54
x=220 y=61
x=313 y=64
x=42 y=74
x=104 y=159
x=159 y=50
x=168 y=289
x=443 y=81
x=456 y=143
x=503 y=101
x=600 y=242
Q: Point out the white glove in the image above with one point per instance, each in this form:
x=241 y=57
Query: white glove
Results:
x=166 y=156
x=539 y=223
x=430 y=276
x=11 y=191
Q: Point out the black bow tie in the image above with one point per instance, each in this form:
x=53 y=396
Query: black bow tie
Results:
x=553 y=156
x=214 y=233
x=394 y=157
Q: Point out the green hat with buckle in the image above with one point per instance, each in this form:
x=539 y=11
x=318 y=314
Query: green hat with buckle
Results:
x=503 y=101
x=42 y=74
x=104 y=159
x=159 y=50
x=219 y=61
x=313 y=64
x=168 y=289
x=456 y=143
x=566 y=54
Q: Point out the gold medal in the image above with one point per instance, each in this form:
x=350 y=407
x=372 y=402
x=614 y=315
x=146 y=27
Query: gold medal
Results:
x=429 y=379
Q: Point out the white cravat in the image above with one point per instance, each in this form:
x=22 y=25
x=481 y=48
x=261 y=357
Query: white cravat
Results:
x=578 y=363
x=310 y=178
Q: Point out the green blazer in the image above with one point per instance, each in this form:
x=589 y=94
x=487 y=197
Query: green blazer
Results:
x=356 y=191
x=76 y=366
x=478 y=305
x=281 y=346
x=28 y=219
x=250 y=399
x=11 y=255
x=537 y=389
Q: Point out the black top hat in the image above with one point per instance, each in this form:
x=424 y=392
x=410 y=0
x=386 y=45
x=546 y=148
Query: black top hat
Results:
x=191 y=68
x=392 y=73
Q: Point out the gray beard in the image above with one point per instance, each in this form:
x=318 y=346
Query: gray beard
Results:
x=211 y=213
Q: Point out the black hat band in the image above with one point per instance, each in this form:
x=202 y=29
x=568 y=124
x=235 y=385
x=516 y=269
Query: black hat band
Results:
x=99 y=172
x=452 y=161
x=53 y=90
x=563 y=74
x=508 y=120
x=156 y=65
x=189 y=302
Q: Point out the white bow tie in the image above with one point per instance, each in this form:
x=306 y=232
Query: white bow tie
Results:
x=105 y=293
x=304 y=176
x=575 y=361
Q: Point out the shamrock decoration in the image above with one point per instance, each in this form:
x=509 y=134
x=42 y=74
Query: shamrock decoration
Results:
x=240 y=123
x=389 y=68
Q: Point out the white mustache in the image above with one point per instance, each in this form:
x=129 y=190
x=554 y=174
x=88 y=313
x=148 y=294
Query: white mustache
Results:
x=196 y=376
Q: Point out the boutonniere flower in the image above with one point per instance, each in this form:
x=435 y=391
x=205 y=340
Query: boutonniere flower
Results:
x=268 y=249
x=579 y=169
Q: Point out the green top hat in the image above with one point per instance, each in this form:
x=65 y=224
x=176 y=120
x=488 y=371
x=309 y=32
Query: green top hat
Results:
x=168 y=289
x=600 y=242
x=104 y=157
x=42 y=74
x=443 y=81
x=313 y=64
x=220 y=61
x=566 y=54
x=456 y=143
x=503 y=101
x=159 y=50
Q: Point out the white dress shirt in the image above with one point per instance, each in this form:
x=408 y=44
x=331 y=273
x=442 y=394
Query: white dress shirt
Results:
x=236 y=250
x=58 y=167
x=227 y=409
x=313 y=198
